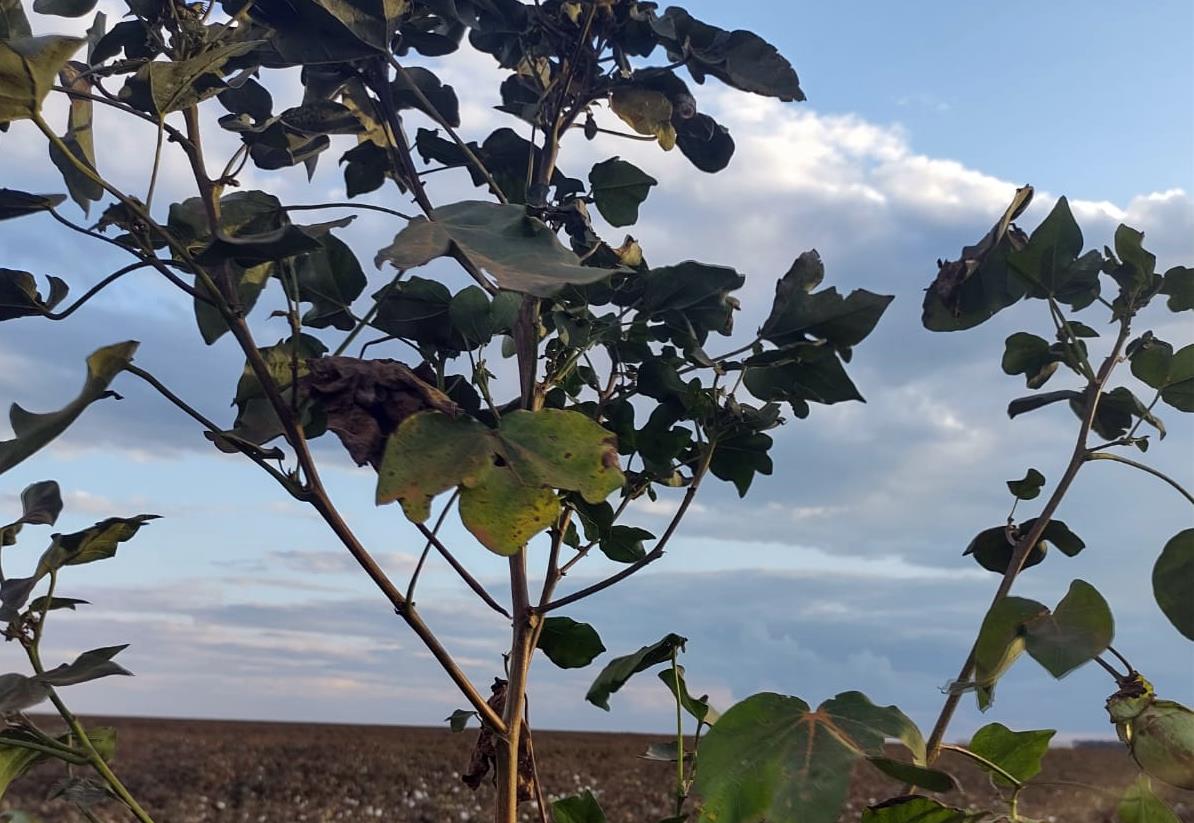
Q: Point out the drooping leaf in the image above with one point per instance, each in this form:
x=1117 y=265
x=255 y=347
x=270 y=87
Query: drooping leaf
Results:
x=28 y=68
x=1017 y=753
x=324 y=31
x=1173 y=581
x=458 y=720
x=698 y=707
x=772 y=757
x=706 y=143
x=624 y=544
x=41 y=503
x=15 y=203
x=1140 y=804
x=19 y=296
x=911 y=774
x=33 y=431
x=1032 y=357
x=18 y=692
x=647 y=111
x=738 y=58
x=40 y=604
x=90 y=665
x=569 y=644
x=1032 y=402
x=619 y=670
x=1028 y=488
x=98 y=542
x=917 y=809
x=519 y=251
x=64 y=8
x=330 y=280
x=579 y=808
x=444 y=105
x=1000 y=642
x=992 y=550
x=619 y=188
x=78 y=140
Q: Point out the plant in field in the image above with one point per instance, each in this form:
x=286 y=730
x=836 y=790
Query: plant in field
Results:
x=619 y=391
x=773 y=758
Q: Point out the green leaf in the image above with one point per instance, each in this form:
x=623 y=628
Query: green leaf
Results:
x=1137 y=265
x=330 y=280
x=13 y=22
x=738 y=58
x=619 y=188
x=19 y=296
x=16 y=760
x=33 y=431
x=739 y=457
x=469 y=313
x=15 y=203
x=1058 y=534
x=698 y=707
x=1049 y=263
x=65 y=8
x=1032 y=402
x=444 y=105
x=28 y=68
x=1000 y=641
x=615 y=674
x=579 y=808
x=98 y=542
x=624 y=544
x=1017 y=753
x=458 y=720
x=647 y=111
x=797 y=314
x=506 y=476
x=992 y=550
x=164 y=86
x=1173 y=582
x=1179 y=383
x=79 y=141
x=706 y=143
x=569 y=644
x=772 y=758
x=914 y=775
x=18 y=692
x=1030 y=356
x=1140 y=804
x=917 y=809
x=91 y=665
x=518 y=250
x=1178 y=285
x=1079 y=628
x=1029 y=488
x=815 y=375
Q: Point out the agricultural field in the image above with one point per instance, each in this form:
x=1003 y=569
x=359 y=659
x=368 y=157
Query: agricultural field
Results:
x=189 y=771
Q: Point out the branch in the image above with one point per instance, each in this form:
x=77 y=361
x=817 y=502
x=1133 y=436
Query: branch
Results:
x=365 y=206
x=96 y=289
x=652 y=555
x=986 y=764
x=1029 y=540
x=469 y=580
x=1097 y=455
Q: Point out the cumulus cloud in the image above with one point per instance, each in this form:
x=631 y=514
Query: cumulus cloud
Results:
x=843 y=569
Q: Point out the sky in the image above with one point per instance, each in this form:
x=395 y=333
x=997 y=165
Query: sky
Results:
x=843 y=570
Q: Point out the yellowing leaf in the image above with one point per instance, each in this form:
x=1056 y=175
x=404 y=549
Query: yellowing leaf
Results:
x=28 y=68
x=646 y=111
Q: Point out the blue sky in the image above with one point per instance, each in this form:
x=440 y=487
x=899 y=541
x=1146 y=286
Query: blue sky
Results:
x=843 y=570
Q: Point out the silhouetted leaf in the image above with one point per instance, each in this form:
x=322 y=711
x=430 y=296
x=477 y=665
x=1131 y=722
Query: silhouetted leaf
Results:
x=619 y=670
x=624 y=544
x=569 y=644
x=619 y=188
x=698 y=707
x=19 y=296
x=1021 y=405
x=163 y=86
x=64 y=8
x=1173 y=581
x=33 y=431
x=1049 y=263
x=330 y=280
x=1178 y=286
x=799 y=314
x=88 y=666
x=1029 y=488
x=1030 y=356
x=14 y=203
x=18 y=692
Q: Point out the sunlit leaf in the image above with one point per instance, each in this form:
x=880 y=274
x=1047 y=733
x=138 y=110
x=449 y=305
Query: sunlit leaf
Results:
x=1017 y=753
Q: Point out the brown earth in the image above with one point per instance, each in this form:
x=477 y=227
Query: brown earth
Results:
x=187 y=771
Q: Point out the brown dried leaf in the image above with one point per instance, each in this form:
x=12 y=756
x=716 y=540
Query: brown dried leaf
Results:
x=365 y=400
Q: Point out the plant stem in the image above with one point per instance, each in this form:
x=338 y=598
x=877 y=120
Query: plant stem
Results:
x=652 y=555
x=985 y=763
x=364 y=206
x=92 y=755
x=1020 y=553
x=465 y=575
x=681 y=794
x=66 y=753
x=1144 y=468
x=96 y=289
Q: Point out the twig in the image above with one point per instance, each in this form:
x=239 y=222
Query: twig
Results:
x=1115 y=458
x=468 y=579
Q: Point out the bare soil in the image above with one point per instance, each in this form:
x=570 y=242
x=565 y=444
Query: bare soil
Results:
x=188 y=771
